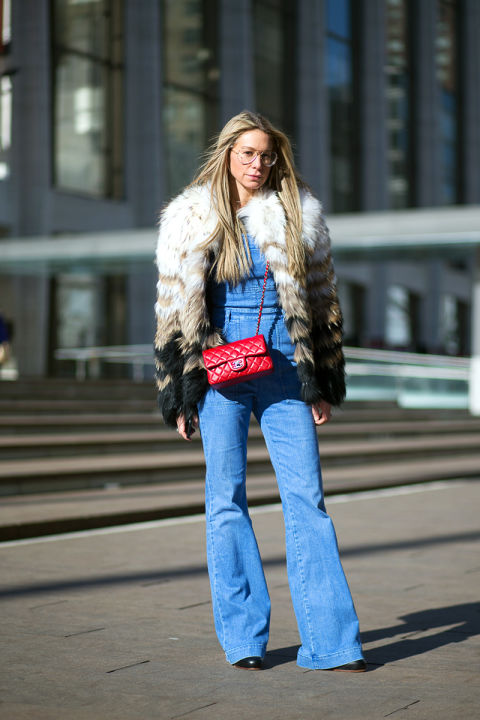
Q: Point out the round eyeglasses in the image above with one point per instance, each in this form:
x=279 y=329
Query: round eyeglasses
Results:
x=248 y=155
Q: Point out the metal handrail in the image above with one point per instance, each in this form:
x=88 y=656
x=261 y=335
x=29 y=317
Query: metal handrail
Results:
x=373 y=362
x=89 y=358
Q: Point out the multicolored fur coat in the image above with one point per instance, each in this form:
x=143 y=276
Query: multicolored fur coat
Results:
x=312 y=313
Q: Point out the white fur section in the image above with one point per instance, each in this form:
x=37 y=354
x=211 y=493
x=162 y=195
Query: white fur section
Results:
x=266 y=222
x=185 y=225
x=311 y=220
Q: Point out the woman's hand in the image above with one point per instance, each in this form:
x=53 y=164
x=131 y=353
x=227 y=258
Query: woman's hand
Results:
x=321 y=412
x=182 y=426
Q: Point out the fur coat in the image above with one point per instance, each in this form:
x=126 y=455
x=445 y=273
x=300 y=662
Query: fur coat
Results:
x=312 y=314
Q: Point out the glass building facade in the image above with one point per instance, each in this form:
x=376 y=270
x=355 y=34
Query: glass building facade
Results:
x=190 y=85
x=106 y=107
x=274 y=24
x=340 y=78
x=88 y=96
x=447 y=75
x=398 y=94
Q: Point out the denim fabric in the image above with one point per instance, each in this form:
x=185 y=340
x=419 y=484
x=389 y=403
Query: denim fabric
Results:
x=326 y=617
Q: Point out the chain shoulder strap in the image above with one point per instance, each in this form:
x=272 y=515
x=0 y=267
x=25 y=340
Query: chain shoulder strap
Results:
x=263 y=298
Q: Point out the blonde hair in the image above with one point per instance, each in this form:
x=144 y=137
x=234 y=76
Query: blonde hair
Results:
x=232 y=262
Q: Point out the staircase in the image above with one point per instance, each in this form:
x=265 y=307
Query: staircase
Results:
x=62 y=437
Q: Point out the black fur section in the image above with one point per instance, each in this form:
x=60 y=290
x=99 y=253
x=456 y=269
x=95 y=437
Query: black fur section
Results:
x=327 y=380
x=310 y=391
x=184 y=390
x=290 y=321
x=168 y=403
x=169 y=363
x=330 y=373
x=194 y=387
x=326 y=384
x=332 y=384
x=169 y=357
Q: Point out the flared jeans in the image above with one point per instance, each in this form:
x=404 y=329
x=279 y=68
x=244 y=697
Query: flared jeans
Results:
x=326 y=617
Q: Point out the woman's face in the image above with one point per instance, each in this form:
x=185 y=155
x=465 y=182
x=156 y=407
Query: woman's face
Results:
x=250 y=178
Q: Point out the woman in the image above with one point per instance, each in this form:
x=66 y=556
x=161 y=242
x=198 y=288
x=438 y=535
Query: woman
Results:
x=247 y=206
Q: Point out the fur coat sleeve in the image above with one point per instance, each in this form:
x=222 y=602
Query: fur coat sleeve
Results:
x=326 y=318
x=183 y=324
x=312 y=313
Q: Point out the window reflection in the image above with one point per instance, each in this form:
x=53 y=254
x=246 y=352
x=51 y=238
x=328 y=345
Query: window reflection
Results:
x=340 y=89
x=398 y=103
x=5 y=125
x=273 y=34
x=88 y=108
x=446 y=60
x=339 y=18
x=454 y=323
x=190 y=99
x=402 y=318
x=6 y=23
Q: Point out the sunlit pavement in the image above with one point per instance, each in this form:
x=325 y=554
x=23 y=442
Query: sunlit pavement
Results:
x=117 y=624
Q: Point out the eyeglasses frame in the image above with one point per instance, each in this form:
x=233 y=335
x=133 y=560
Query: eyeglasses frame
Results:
x=257 y=153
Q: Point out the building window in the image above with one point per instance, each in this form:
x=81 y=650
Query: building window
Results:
x=352 y=298
x=6 y=24
x=402 y=319
x=446 y=60
x=274 y=57
x=454 y=321
x=5 y=125
x=88 y=96
x=190 y=98
x=340 y=81
x=398 y=103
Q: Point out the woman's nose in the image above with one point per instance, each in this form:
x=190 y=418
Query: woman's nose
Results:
x=257 y=163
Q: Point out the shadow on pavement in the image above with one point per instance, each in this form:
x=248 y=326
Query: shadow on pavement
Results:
x=464 y=618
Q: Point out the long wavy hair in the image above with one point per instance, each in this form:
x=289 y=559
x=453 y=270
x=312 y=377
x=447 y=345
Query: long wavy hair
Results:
x=232 y=262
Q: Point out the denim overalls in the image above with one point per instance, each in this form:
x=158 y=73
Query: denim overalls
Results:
x=326 y=617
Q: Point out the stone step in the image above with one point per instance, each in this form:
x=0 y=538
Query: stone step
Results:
x=48 y=513
x=348 y=416
x=76 y=423
x=183 y=463
x=52 y=389
x=371 y=438
x=49 y=406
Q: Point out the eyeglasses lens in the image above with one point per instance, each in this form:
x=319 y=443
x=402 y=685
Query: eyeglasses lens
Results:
x=248 y=156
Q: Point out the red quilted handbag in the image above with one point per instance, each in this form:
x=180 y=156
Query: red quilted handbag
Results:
x=240 y=360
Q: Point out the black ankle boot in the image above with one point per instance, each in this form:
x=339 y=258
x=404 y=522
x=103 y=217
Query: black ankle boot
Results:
x=249 y=663
x=354 y=667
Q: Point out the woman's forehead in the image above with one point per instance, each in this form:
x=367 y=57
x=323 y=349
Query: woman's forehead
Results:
x=256 y=139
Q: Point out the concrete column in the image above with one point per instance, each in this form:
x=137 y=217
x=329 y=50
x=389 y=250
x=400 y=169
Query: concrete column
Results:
x=430 y=319
x=470 y=71
x=474 y=386
x=373 y=182
x=312 y=97
x=141 y=292
x=425 y=103
x=30 y=319
x=377 y=303
x=31 y=139
x=237 y=82
x=144 y=173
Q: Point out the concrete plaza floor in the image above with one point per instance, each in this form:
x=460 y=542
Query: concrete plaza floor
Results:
x=116 y=624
